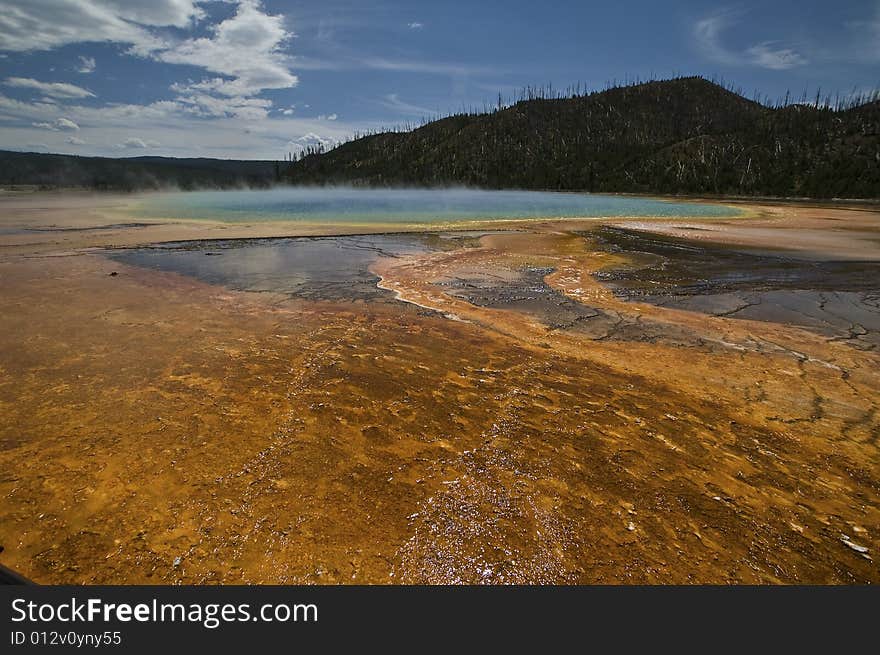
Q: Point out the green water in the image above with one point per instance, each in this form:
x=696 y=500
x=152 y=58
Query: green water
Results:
x=406 y=206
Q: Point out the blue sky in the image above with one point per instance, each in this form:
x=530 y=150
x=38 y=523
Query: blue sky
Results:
x=256 y=79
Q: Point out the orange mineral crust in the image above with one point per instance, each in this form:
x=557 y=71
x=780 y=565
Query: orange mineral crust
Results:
x=644 y=401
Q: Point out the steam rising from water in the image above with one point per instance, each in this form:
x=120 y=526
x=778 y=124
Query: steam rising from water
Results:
x=347 y=205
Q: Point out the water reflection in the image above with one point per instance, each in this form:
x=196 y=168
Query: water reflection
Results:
x=327 y=268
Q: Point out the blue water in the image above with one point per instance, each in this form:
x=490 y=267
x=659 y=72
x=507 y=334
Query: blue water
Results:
x=406 y=206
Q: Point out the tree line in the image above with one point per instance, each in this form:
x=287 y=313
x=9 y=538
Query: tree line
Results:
x=685 y=135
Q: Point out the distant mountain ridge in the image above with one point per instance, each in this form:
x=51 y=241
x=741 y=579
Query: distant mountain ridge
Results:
x=679 y=136
x=134 y=173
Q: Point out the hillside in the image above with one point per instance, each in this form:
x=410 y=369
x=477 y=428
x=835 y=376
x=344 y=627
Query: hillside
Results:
x=132 y=173
x=686 y=135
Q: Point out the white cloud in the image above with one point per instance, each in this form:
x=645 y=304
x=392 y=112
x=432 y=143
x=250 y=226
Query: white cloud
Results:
x=179 y=128
x=52 y=89
x=766 y=56
x=66 y=124
x=245 y=47
x=244 y=53
x=86 y=65
x=160 y=13
x=74 y=141
x=57 y=125
x=156 y=113
x=415 y=25
x=29 y=25
x=28 y=110
x=327 y=117
x=137 y=143
x=312 y=139
x=708 y=32
x=194 y=101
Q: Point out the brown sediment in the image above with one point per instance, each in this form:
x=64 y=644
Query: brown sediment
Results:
x=159 y=429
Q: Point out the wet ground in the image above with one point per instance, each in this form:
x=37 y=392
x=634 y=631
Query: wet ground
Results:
x=162 y=422
x=527 y=292
x=315 y=268
x=839 y=299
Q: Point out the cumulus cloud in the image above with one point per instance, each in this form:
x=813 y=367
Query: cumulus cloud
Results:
x=312 y=139
x=74 y=141
x=245 y=49
x=202 y=104
x=415 y=25
x=59 y=124
x=52 y=89
x=327 y=117
x=43 y=24
x=66 y=124
x=708 y=35
x=242 y=55
x=86 y=65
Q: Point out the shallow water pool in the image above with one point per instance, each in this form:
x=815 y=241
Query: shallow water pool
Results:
x=345 y=205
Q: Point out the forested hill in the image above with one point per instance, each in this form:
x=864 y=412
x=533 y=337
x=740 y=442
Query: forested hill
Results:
x=686 y=135
x=134 y=173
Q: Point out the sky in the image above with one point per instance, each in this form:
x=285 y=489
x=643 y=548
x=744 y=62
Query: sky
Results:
x=257 y=79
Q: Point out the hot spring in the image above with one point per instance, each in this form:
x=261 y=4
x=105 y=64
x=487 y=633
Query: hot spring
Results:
x=346 y=205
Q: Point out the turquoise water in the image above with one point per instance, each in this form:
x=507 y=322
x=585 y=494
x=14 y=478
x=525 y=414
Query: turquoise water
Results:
x=406 y=206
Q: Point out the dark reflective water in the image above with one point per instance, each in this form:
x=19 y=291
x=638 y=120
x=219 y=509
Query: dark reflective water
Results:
x=317 y=268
